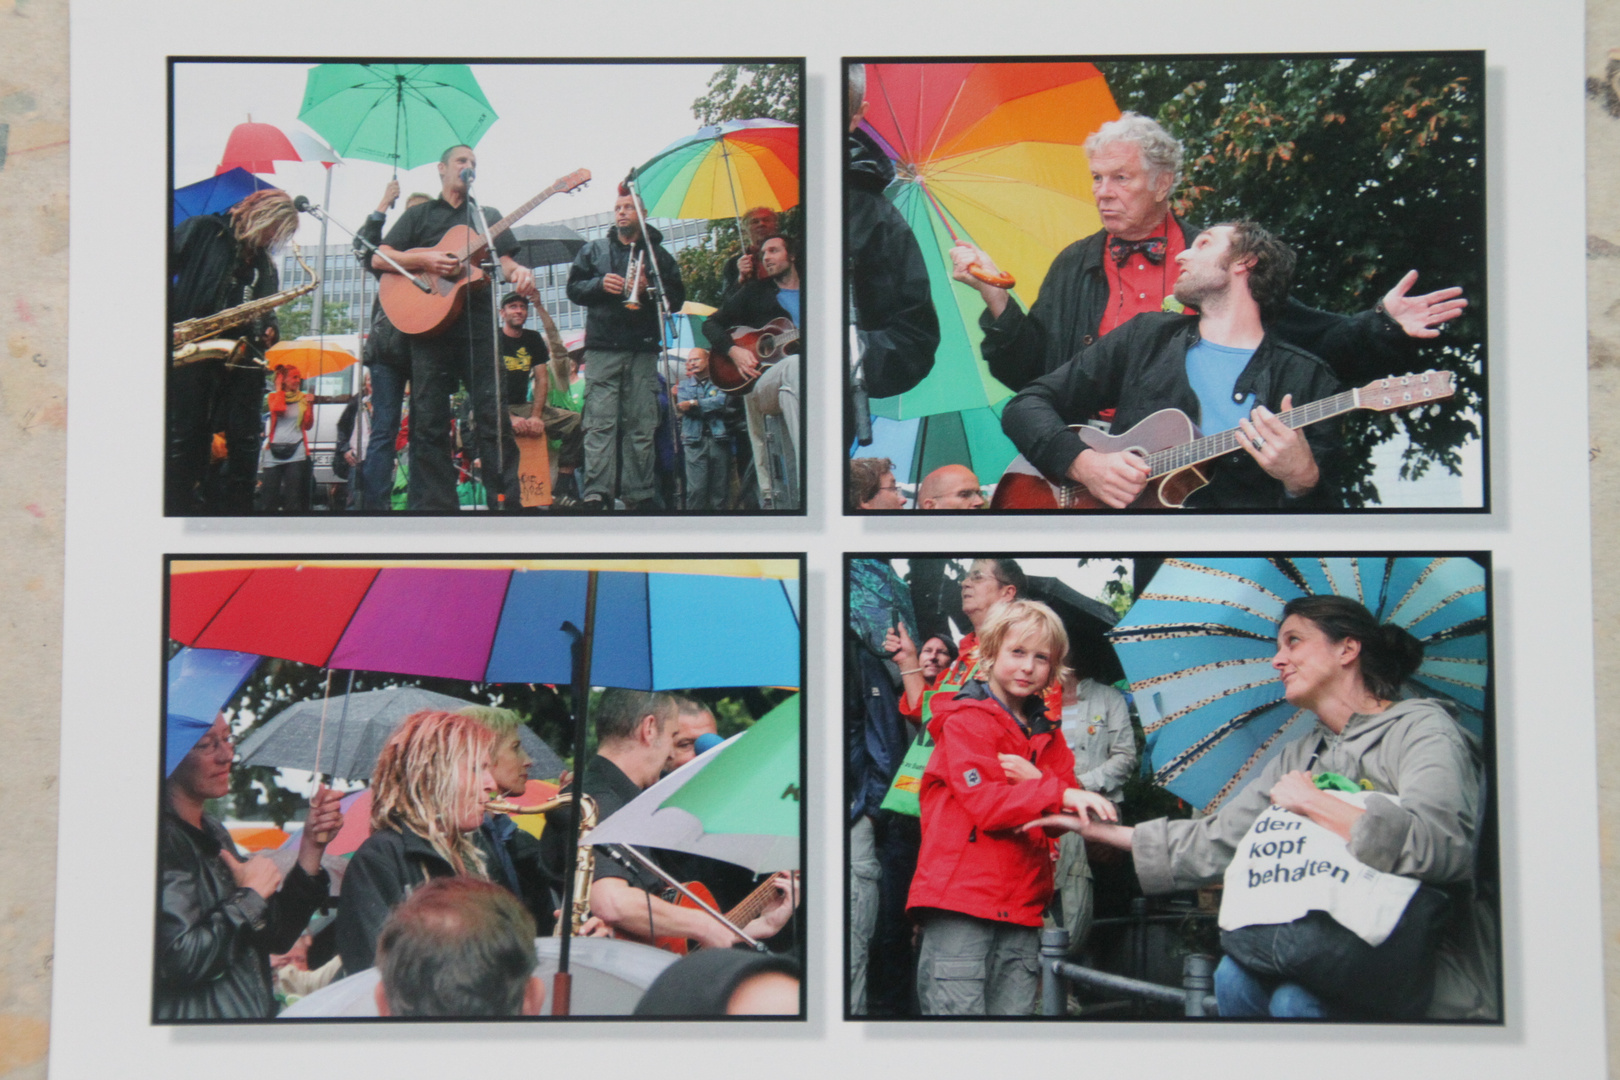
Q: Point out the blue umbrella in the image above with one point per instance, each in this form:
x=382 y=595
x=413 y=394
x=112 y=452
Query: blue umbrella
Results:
x=1198 y=643
x=216 y=193
x=201 y=682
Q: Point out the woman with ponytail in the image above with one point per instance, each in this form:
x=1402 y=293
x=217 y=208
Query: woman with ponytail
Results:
x=427 y=801
x=1415 y=814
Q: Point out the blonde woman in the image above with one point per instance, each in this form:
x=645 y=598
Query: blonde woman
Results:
x=428 y=793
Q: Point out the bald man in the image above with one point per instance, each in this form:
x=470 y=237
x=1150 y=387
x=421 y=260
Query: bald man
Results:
x=950 y=487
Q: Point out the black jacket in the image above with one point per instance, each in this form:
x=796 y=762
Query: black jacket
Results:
x=206 y=276
x=384 y=344
x=214 y=938
x=388 y=866
x=608 y=323
x=888 y=281
x=1141 y=368
x=1020 y=347
x=753 y=305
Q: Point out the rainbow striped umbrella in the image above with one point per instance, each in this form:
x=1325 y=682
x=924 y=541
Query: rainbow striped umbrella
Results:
x=660 y=624
x=990 y=154
x=724 y=170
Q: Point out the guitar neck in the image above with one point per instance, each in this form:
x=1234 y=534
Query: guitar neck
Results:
x=509 y=220
x=749 y=907
x=1165 y=462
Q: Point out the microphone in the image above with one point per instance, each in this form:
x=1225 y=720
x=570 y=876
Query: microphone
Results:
x=467 y=175
x=706 y=742
x=301 y=204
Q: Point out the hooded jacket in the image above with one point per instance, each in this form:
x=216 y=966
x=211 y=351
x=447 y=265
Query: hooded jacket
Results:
x=214 y=937
x=384 y=871
x=974 y=859
x=1413 y=749
x=608 y=323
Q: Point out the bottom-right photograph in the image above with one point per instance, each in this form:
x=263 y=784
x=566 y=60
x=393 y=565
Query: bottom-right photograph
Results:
x=1201 y=788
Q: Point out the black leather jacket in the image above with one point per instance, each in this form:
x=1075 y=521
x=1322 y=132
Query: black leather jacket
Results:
x=214 y=938
x=384 y=871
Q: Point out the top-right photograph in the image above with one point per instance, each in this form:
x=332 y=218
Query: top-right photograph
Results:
x=1216 y=284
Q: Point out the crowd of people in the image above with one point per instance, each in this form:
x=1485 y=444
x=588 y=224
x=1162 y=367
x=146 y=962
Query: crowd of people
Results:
x=987 y=782
x=451 y=410
x=1149 y=313
x=446 y=895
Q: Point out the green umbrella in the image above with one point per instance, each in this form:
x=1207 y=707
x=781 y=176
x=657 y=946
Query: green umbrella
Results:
x=739 y=802
x=402 y=115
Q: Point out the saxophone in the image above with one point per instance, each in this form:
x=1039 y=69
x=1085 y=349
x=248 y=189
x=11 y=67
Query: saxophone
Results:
x=197 y=339
x=584 y=867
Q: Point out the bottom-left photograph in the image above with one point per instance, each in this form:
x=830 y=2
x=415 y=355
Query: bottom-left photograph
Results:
x=480 y=788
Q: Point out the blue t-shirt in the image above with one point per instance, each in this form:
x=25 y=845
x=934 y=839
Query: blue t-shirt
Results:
x=789 y=299
x=1213 y=371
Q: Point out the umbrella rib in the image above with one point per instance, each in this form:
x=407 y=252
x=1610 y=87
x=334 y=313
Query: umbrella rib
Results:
x=1186 y=710
x=899 y=131
x=1447 y=601
x=1210 y=739
x=506 y=595
x=1242 y=771
x=1171 y=630
x=939 y=130
x=1417 y=584
x=350 y=620
x=1202 y=568
x=221 y=606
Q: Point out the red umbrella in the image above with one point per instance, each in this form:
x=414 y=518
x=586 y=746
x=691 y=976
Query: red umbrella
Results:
x=257 y=147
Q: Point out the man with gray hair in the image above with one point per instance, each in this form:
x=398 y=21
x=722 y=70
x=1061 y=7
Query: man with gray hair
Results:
x=1127 y=268
x=458 y=946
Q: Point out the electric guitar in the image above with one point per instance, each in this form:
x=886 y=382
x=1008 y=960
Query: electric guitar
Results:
x=1170 y=443
x=428 y=313
x=771 y=342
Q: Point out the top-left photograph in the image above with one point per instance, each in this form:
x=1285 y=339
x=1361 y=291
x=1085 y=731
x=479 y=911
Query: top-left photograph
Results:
x=560 y=287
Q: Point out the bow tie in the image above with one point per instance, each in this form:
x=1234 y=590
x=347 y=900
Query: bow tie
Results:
x=1152 y=249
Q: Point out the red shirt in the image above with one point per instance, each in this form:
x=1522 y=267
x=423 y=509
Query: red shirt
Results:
x=1139 y=286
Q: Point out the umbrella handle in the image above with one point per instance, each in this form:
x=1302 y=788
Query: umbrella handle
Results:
x=1003 y=280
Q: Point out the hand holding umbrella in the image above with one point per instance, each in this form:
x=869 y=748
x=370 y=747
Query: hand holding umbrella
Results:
x=325 y=818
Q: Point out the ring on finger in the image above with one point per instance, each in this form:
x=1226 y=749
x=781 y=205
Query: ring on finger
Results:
x=1259 y=443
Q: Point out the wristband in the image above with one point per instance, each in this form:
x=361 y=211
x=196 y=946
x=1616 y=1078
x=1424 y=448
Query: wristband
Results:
x=913 y=671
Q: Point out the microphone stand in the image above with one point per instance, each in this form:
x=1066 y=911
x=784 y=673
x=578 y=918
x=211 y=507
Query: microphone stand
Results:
x=497 y=276
x=665 y=318
x=321 y=215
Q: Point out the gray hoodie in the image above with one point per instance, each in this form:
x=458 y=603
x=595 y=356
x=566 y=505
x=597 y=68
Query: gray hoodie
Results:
x=1414 y=749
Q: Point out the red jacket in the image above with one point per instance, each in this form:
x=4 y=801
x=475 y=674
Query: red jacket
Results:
x=974 y=859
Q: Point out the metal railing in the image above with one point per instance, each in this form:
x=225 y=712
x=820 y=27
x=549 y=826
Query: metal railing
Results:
x=1195 y=995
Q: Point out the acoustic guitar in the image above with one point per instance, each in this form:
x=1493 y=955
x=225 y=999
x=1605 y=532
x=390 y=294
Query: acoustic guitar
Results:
x=1170 y=443
x=769 y=344
x=425 y=314
x=746 y=911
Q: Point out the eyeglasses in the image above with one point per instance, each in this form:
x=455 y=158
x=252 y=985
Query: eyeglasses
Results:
x=977 y=576
x=888 y=487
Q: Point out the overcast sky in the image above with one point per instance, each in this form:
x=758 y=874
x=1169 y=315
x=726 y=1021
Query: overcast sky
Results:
x=554 y=118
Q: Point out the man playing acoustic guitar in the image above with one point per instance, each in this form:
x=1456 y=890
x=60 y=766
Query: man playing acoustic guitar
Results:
x=774 y=390
x=462 y=352
x=1220 y=367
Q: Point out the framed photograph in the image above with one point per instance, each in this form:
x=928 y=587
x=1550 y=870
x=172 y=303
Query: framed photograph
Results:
x=475 y=788
x=1169 y=787
x=1291 y=249
x=392 y=282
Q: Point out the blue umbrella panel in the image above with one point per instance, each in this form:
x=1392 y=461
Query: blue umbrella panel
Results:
x=1198 y=643
x=216 y=193
x=201 y=682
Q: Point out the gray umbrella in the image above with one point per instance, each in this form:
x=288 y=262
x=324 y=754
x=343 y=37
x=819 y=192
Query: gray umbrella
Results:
x=289 y=738
x=547 y=245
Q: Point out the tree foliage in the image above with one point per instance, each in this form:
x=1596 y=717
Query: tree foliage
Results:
x=296 y=319
x=1368 y=167
x=751 y=91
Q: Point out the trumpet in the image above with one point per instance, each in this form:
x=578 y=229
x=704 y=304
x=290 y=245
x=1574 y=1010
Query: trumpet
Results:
x=633 y=275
